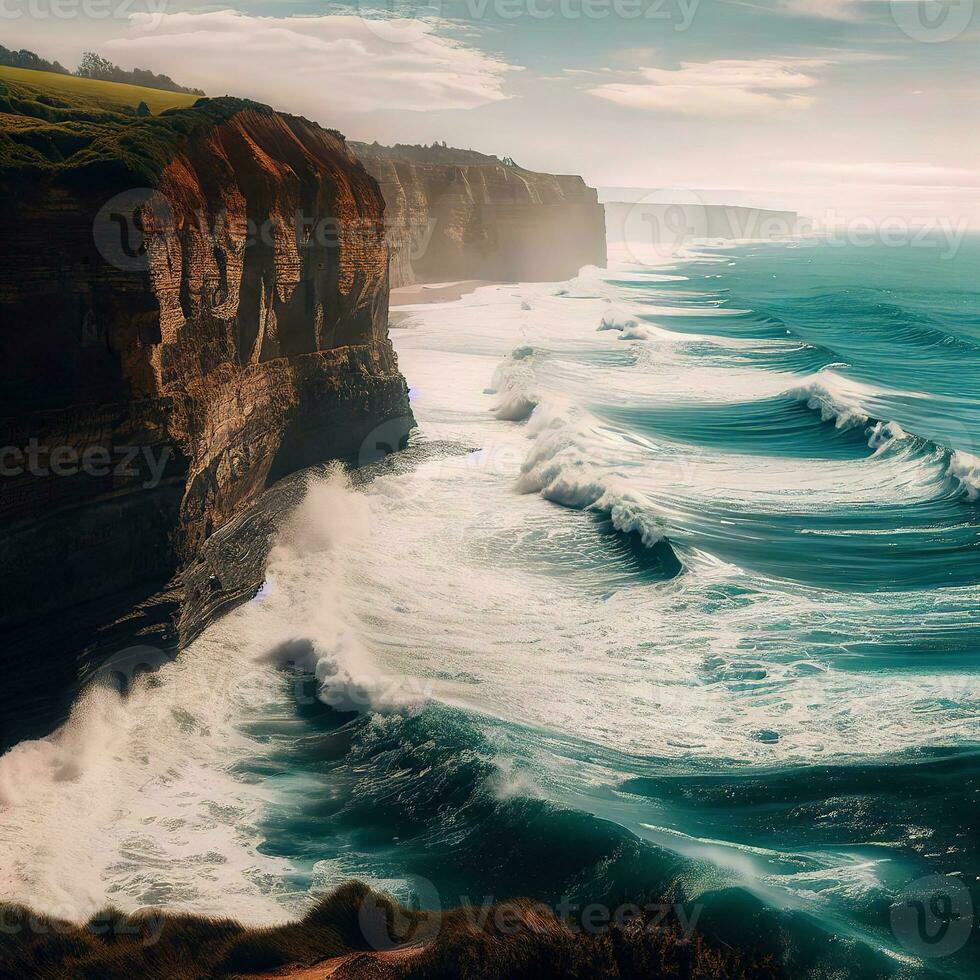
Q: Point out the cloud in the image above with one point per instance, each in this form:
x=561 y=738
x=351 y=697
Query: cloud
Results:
x=894 y=174
x=319 y=66
x=862 y=10
x=827 y=9
x=726 y=87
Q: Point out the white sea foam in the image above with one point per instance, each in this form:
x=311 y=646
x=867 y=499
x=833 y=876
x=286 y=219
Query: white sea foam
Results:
x=636 y=331
x=849 y=405
x=631 y=515
x=513 y=383
x=884 y=434
x=965 y=469
x=562 y=466
x=86 y=743
x=448 y=581
x=135 y=800
x=615 y=319
x=324 y=527
x=826 y=394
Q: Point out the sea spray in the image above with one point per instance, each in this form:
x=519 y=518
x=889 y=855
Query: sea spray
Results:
x=139 y=794
x=85 y=744
x=965 y=469
x=513 y=383
x=561 y=467
x=788 y=725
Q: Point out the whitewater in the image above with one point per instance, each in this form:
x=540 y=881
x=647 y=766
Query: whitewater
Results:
x=674 y=592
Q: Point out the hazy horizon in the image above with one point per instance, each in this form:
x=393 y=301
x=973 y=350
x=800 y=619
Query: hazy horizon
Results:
x=863 y=109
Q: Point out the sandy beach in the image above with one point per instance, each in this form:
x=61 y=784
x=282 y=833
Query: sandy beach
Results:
x=435 y=292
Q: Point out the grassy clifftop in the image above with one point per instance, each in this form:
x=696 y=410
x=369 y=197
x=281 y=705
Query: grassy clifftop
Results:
x=82 y=131
x=90 y=93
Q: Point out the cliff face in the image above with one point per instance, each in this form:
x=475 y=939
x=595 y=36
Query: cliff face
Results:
x=459 y=215
x=655 y=222
x=192 y=305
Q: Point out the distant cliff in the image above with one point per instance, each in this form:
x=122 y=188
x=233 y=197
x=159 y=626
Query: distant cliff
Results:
x=193 y=305
x=656 y=220
x=457 y=214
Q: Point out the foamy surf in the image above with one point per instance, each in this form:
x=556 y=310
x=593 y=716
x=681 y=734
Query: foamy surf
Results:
x=965 y=469
x=135 y=800
x=665 y=726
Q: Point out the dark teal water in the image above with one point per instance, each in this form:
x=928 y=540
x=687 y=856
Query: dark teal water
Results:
x=759 y=602
x=703 y=627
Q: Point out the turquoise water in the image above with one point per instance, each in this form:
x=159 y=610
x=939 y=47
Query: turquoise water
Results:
x=685 y=607
x=807 y=489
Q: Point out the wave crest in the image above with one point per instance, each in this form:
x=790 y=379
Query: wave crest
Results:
x=822 y=396
x=515 y=384
x=560 y=467
x=614 y=319
x=965 y=469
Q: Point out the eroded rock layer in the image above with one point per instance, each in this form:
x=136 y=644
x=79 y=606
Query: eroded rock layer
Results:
x=455 y=214
x=193 y=305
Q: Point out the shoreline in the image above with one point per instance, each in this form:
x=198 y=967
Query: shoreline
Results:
x=423 y=294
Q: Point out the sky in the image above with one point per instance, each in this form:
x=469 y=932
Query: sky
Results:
x=842 y=109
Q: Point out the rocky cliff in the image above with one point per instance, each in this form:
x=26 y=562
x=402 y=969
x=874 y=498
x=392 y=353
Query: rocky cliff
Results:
x=193 y=305
x=455 y=214
x=656 y=221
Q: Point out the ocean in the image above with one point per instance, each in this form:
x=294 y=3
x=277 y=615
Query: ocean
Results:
x=672 y=598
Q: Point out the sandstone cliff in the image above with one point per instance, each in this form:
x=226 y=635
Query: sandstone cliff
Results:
x=192 y=305
x=455 y=214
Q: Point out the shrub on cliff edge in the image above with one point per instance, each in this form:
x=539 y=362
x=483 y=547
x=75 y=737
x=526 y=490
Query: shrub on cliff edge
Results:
x=516 y=940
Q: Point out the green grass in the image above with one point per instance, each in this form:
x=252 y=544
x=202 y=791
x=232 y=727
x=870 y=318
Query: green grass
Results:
x=88 y=93
x=86 y=133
